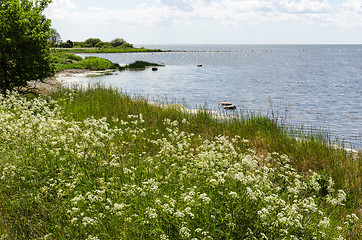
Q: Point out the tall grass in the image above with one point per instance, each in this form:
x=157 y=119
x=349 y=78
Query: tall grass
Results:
x=98 y=164
x=63 y=60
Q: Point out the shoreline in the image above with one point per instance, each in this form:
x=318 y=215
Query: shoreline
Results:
x=72 y=77
x=65 y=76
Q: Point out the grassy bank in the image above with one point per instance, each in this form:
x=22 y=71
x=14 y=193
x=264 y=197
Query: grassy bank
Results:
x=97 y=164
x=63 y=61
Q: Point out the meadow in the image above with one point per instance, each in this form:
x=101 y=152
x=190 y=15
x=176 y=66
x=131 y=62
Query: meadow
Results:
x=99 y=164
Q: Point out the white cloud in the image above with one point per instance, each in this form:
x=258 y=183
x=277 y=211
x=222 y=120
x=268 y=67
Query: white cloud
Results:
x=230 y=12
x=303 y=6
x=349 y=14
x=59 y=9
x=178 y=4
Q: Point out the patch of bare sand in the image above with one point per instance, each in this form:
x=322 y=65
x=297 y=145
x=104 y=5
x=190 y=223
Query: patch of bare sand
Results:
x=64 y=78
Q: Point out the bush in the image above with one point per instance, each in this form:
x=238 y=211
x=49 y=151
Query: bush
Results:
x=70 y=43
x=117 y=42
x=141 y=65
x=102 y=45
x=64 y=45
x=92 y=42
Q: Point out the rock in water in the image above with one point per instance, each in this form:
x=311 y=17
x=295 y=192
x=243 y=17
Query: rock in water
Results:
x=224 y=103
x=229 y=107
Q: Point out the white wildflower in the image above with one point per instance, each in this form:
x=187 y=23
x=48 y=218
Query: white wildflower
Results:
x=90 y=237
x=164 y=237
x=74 y=220
x=188 y=211
x=89 y=221
x=204 y=198
x=118 y=207
x=151 y=212
x=185 y=232
x=179 y=214
x=233 y=194
x=324 y=222
x=341 y=197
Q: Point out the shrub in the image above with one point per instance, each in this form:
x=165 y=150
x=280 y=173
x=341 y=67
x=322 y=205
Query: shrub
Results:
x=140 y=65
x=117 y=42
x=64 y=45
x=70 y=43
x=102 y=45
x=92 y=42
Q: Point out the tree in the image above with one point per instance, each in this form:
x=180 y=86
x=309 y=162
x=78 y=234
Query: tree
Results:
x=71 y=43
x=92 y=42
x=55 y=38
x=24 y=50
x=117 y=42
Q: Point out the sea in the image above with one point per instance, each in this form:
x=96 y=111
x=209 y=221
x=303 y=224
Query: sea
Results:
x=310 y=86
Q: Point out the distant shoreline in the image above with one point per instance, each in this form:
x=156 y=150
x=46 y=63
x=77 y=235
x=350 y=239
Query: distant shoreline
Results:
x=106 y=50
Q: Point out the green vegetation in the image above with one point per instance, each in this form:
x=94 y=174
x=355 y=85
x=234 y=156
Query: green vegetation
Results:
x=95 y=45
x=24 y=50
x=96 y=63
x=63 y=60
x=107 y=50
x=139 y=65
x=97 y=164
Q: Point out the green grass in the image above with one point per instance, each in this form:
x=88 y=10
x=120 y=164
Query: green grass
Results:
x=63 y=60
x=96 y=63
x=98 y=164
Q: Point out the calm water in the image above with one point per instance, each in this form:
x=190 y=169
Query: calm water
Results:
x=318 y=85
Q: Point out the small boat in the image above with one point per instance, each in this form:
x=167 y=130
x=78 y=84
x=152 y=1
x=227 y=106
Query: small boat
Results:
x=199 y=65
x=154 y=69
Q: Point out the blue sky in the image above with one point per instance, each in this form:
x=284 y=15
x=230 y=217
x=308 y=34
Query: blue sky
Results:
x=210 y=21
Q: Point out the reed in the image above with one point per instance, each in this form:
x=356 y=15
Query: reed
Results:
x=100 y=164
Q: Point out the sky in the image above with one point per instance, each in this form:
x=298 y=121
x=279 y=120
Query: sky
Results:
x=209 y=21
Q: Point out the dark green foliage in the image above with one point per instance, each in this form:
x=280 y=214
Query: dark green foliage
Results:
x=64 y=45
x=71 y=44
x=63 y=60
x=24 y=49
x=116 y=45
x=120 y=42
x=117 y=42
x=139 y=65
x=92 y=42
x=102 y=45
